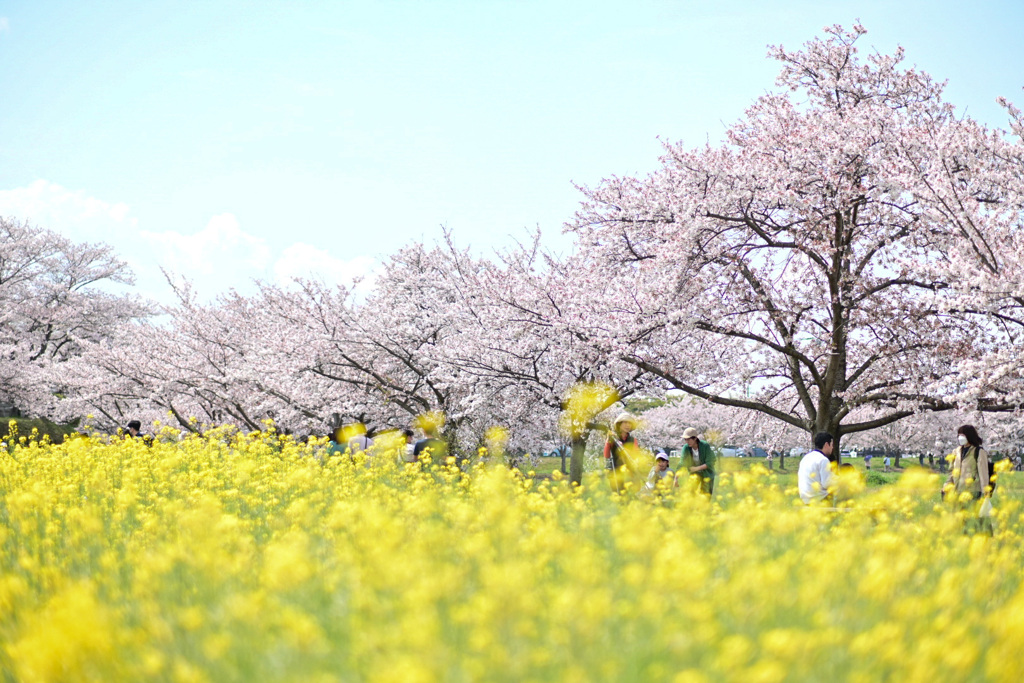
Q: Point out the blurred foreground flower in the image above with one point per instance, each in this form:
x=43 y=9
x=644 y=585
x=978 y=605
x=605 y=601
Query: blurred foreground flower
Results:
x=582 y=403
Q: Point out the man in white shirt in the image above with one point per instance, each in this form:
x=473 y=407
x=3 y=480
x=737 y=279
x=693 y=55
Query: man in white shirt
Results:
x=815 y=477
x=358 y=441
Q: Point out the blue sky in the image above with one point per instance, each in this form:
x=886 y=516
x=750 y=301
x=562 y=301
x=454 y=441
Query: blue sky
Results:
x=230 y=140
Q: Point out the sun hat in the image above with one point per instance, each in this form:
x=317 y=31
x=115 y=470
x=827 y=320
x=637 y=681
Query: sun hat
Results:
x=661 y=455
x=624 y=417
x=689 y=433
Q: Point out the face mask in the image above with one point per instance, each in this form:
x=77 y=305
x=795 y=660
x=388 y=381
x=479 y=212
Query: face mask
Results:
x=962 y=439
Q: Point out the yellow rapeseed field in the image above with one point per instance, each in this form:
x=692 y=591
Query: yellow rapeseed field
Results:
x=246 y=558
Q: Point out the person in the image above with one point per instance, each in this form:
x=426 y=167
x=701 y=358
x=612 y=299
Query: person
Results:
x=770 y=459
x=621 y=452
x=134 y=431
x=358 y=441
x=814 y=476
x=886 y=462
x=969 y=480
x=660 y=476
x=410 y=445
x=848 y=483
x=337 y=445
x=699 y=460
x=431 y=444
x=867 y=461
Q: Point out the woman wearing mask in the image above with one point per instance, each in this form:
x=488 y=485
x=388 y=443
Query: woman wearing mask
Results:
x=969 y=480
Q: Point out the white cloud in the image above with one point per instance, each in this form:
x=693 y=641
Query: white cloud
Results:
x=70 y=212
x=222 y=256
x=82 y=218
x=219 y=248
x=307 y=262
x=219 y=257
x=216 y=258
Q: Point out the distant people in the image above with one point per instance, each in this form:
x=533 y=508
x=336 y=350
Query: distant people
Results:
x=867 y=461
x=621 y=452
x=660 y=477
x=698 y=462
x=430 y=445
x=770 y=459
x=814 y=476
x=887 y=462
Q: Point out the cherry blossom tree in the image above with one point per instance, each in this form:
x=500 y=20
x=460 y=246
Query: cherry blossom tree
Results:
x=992 y=377
x=232 y=361
x=390 y=346
x=842 y=249
x=385 y=358
x=524 y=345
x=312 y=356
x=55 y=296
x=936 y=432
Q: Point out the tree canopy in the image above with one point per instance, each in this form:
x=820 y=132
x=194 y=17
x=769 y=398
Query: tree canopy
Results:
x=848 y=257
x=852 y=241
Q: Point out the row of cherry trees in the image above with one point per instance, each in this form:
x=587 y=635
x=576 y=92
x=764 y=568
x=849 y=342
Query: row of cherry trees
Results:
x=440 y=330
x=847 y=259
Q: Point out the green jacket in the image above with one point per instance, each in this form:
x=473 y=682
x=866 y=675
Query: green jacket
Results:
x=706 y=456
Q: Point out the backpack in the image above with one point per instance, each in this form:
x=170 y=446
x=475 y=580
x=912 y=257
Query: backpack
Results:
x=991 y=474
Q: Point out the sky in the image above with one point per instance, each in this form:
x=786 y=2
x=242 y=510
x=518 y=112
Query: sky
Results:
x=232 y=141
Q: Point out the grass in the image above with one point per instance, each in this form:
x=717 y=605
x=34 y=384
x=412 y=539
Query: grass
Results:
x=25 y=426
x=1010 y=484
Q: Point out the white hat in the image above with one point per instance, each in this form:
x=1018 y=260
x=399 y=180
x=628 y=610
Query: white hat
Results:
x=625 y=417
x=661 y=455
x=689 y=433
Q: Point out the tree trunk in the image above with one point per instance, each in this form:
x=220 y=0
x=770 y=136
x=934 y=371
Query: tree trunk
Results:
x=579 y=450
x=829 y=424
x=450 y=435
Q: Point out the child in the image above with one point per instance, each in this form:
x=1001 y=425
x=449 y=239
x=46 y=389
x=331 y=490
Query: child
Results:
x=660 y=476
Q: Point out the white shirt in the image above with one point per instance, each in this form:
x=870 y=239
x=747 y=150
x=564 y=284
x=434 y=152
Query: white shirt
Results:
x=814 y=477
x=359 y=443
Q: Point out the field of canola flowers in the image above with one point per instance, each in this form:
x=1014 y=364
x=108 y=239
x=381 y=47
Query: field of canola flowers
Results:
x=246 y=559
